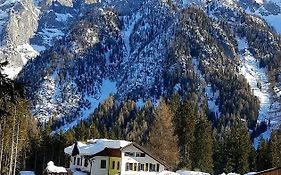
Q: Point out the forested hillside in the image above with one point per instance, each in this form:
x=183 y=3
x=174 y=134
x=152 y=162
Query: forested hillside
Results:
x=191 y=141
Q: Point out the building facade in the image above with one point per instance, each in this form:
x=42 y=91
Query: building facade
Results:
x=113 y=157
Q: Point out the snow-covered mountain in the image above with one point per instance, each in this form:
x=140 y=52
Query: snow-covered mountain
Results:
x=82 y=51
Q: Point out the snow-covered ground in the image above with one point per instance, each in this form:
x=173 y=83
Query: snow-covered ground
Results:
x=185 y=172
x=259 y=83
x=26 y=173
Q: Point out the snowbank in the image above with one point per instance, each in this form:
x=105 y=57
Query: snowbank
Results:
x=78 y=173
x=184 y=172
x=55 y=169
x=27 y=173
x=167 y=173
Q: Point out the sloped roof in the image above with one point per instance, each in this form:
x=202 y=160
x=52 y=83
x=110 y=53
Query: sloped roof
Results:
x=269 y=170
x=148 y=153
x=95 y=146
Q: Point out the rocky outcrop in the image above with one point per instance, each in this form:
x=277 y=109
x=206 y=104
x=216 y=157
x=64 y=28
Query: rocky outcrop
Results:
x=19 y=25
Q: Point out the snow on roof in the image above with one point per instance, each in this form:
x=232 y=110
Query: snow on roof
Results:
x=95 y=146
x=55 y=169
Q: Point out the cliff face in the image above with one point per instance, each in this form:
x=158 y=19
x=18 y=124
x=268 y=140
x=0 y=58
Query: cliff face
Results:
x=19 y=22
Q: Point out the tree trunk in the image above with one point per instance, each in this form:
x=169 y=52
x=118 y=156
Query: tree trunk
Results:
x=2 y=145
x=12 y=145
x=16 y=151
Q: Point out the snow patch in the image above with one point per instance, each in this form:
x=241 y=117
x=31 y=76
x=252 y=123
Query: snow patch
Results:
x=49 y=34
x=27 y=173
x=259 y=1
x=38 y=48
x=128 y=31
x=265 y=135
x=212 y=98
x=63 y=17
x=108 y=87
x=257 y=78
x=27 y=52
x=51 y=168
x=184 y=172
x=140 y=103
x=12 y=72
x=167 y=173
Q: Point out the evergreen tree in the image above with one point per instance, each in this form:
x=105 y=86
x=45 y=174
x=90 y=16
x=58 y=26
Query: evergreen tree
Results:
x=203 y=146
x=233 y=147
x=274 y=149
x=263 y=158
x=184 y=128
x=253 y=160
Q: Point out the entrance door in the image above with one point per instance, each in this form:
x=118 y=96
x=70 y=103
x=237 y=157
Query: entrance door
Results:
x=114 y=165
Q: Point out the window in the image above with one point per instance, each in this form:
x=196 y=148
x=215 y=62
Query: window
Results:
x=141 y=167
x=118 y=165
x=74 y=160
x=86 y=162
x=157 y=167
x=139 y=154
x=135 y=166
x=146 y=167
x=129 y=166
x=103 y=164
x=151 y=167
x=113 y=165
x=129 y=154
x=78 y=161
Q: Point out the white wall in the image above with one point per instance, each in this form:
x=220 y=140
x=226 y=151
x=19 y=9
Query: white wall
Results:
x=143 y=160
x=96 y=162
